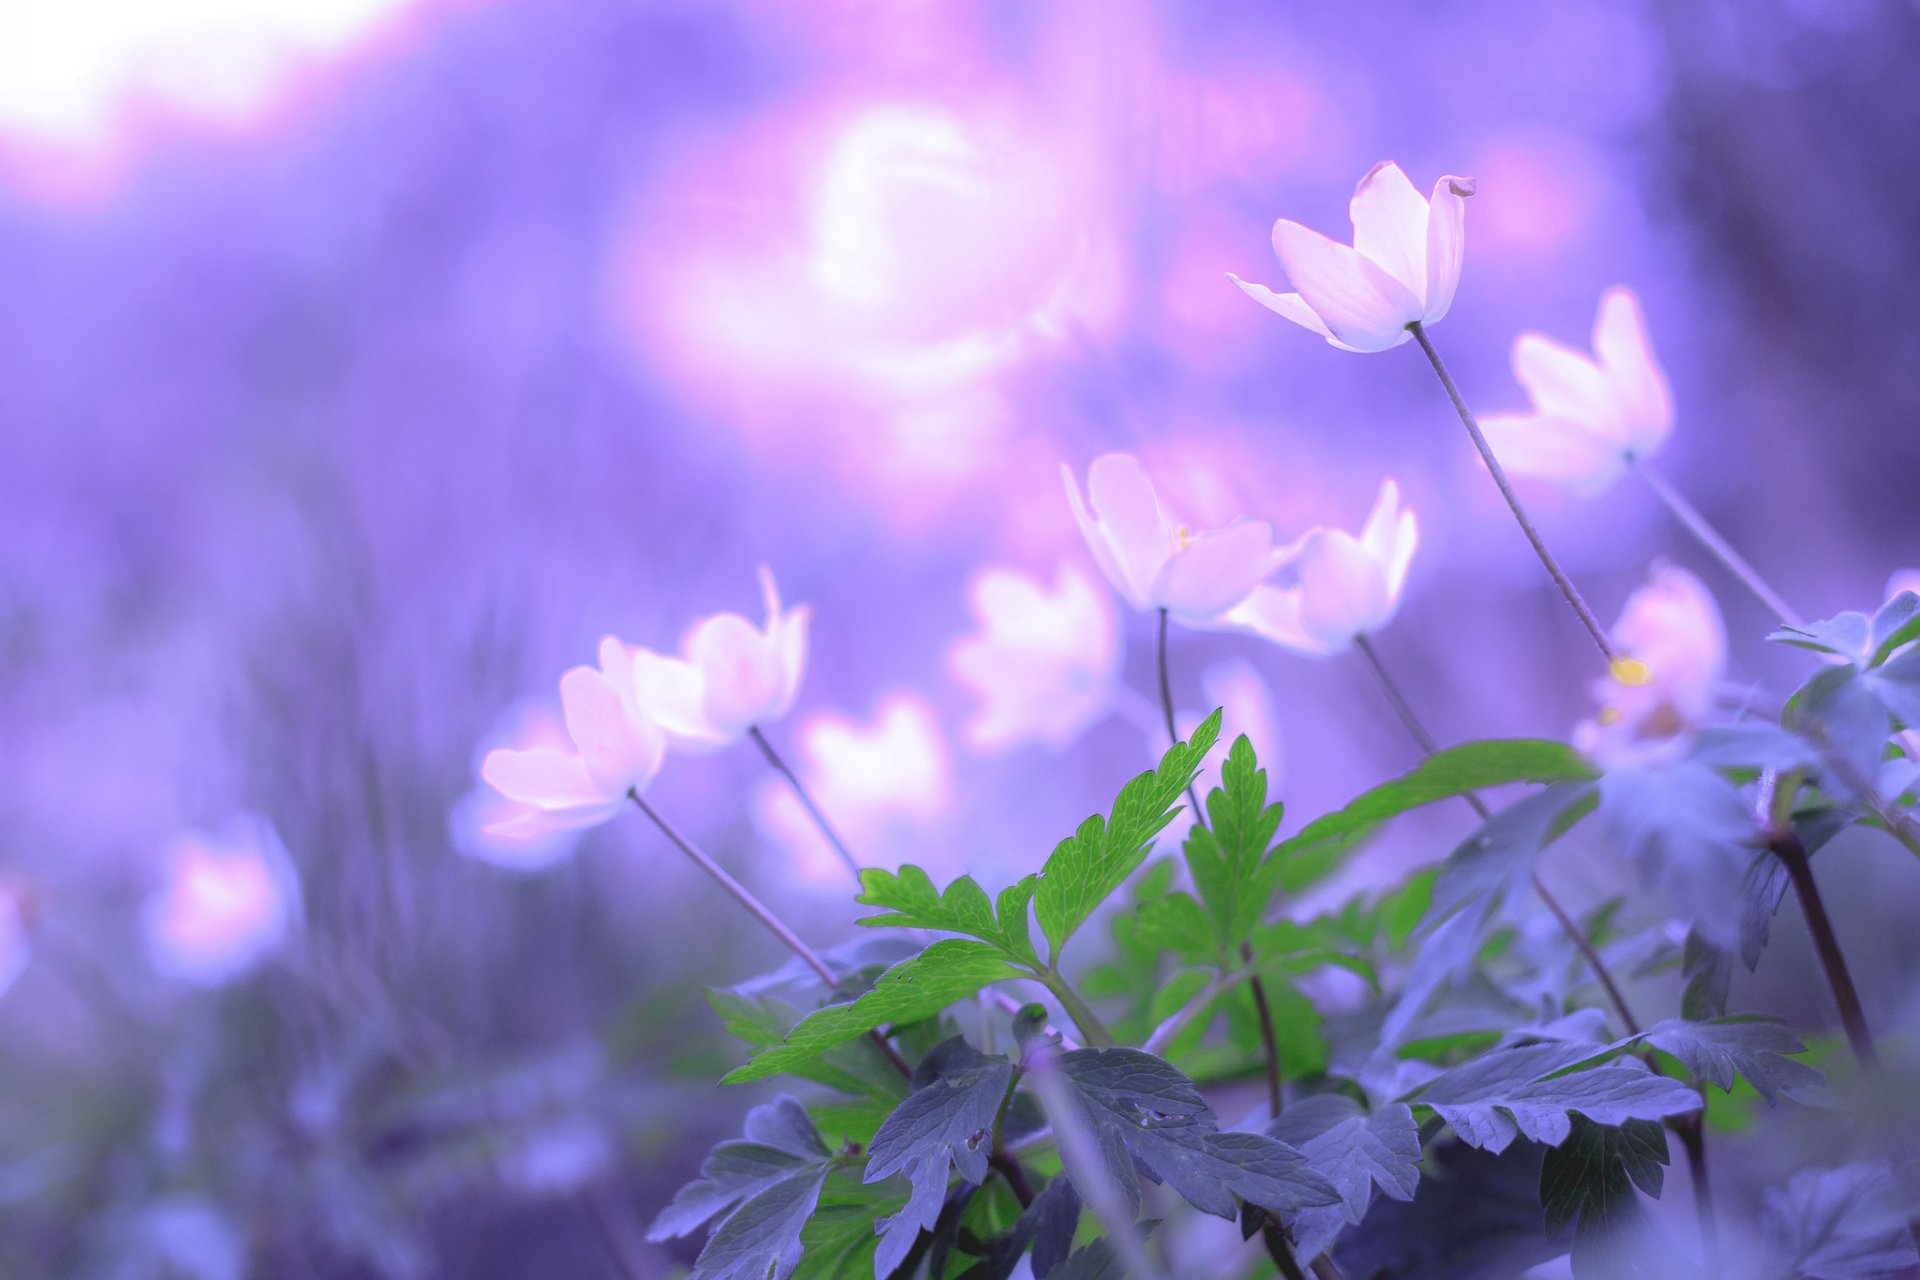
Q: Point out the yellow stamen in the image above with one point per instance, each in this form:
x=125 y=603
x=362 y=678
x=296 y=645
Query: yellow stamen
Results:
x=1609 y=715
x=1630 y=672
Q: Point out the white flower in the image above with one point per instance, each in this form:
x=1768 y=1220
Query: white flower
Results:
x=881 y=781
x=730 y=677
x=488 y=827
x=1342 y=586
x=1592 y=415
x=1672 y=627
x=1155 y=563
x=226 y=901
x=1043 y=661
x=1402 y=267
x=617 y=748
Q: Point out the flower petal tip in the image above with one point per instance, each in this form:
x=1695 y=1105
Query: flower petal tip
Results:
x=1462 y=187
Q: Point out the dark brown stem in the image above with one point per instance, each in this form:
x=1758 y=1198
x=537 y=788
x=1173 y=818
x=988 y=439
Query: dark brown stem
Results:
x=1280 y=1249
x=1324 y=1269
x=1166 y=708
x=761 y=912
x=1572 y=593
x=1786 y=846
x=1016 y=1177
x=1268 y=1041
x=1692 y=1135
x=806 y=799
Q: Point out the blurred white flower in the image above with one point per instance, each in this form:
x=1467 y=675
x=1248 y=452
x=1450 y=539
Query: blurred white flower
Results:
x=1592 y=415
x=1402 y=267
x=1043 y=661
x=617 y=748
x=881 y=781
x=482 y=823
x=1155 y=563
x=225 y=902
x=730 y=677
x=1903 y=580
x=16 y=937
x=1342 y=586
x=1672 y=627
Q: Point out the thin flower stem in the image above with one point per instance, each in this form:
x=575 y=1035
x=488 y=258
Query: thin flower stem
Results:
x=1709 y=537
x=761 y=912
x=1324 y=1269
x=1092 y=1030
x=1263 y=1011
x=1787 y=847
x=806 y=799
x=1280 y=1249
x=1560 y=578
x=1173 y=730
x=1693 y=1136
x=1427 y=743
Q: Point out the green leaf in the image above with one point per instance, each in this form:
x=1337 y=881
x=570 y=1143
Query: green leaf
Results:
x=912 y=901
x=1355 y=1152
x=1227 y=858
x=1146 y=1113
x=1518 y=1091
x=1587 y=1184
x=1090 y=864
x=857 y=1067
x=1755 y=1049
x=916 y=988
x=1897 y=623
x=1846 y=635
x=1178 y=924
x=839 y=1240
x=1706 y=976
x=1318 y=850
x=948 y=1119
x=1897 y=685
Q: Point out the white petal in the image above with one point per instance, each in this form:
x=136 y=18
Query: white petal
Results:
x=1640 y=391
x=1129 y=513
x=1273 y=614
x=1390 y=225
x=1377 y=535
x=1406 y=540
x=1215 y=571
x=1446 y=244
x=770 y=596
x=1343 y=590
x=532 y=822
x=791 y=636
x=543 y=776
x=742 y=673
x=670 y=692
x=619 y=748
x=1563 y=383
x=1098 y=543
x=1557 y=450
x=1360 y=304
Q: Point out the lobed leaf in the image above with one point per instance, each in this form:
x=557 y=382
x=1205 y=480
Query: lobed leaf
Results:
x=916 y=988
x=912 y=901
x=1354 y=1151
x=1090 y=864
x=1520 y=1091
x=1227 y=857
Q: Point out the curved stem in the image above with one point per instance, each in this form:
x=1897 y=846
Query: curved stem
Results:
x=1584 y=945
x=1559 y=575
x=1722 y=550
x=1173 y=730
x=761 y=912
x=806 y=799
x=1092 y=1030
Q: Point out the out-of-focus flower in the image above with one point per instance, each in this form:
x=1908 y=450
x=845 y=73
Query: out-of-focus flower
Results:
x=1155 y=563
x=1342 y=586
x=227 y=900
x=617 y=748
x=878 y=781
x=1592 y=415
x=1043 y=661
x=1903 y=580
x=482 y=823
x=16 y=940
x=1402 y=267
x=731 y=676
x=1672 y=627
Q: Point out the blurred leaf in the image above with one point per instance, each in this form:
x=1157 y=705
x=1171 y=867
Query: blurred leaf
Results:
x=1706 y=976
x=1318 y=850
x=1501 y=853
x=1587 y=1184
x=1840 y=710
x=1838 y=1224
x=947 y=1119
x=1691 y=834
x=1090 y=864
x=949 y=970
x=1478 y=1218
x=1518 y=1091
x=1845 y=635
x=1897 y=623
x=1897 y=686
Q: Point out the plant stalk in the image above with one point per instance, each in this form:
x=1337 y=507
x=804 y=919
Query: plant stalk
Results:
x=1572 y=593
x=1268 y=1041
x=1092 y=1030
x=806 y=799
x=1173 y=730
x=1787 y=847
x=761 y=912
x=1722 y=550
